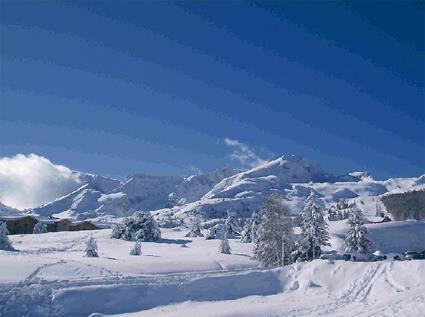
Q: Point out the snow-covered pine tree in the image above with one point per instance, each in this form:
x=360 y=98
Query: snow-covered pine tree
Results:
x=255 y=223
x=216 y=232
x=4 y=239
x=40 y=227
x=195 y=229
x=91 y=247
x=357 y=235
x=173 y=199
x=249 y=231
x=314 y=229
x=140 y=226
x=137 y=248
x=246 y=236
x=224 y=245
x=232 y=226
x=274 y=242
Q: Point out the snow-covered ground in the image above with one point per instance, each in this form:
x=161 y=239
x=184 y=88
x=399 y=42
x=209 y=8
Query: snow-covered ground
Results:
x=178 y=276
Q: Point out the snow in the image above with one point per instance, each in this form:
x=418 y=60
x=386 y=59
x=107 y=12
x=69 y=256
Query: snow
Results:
x=322 y=288
x=181 y=276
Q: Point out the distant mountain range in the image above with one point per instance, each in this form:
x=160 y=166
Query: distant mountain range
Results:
x=214 y=193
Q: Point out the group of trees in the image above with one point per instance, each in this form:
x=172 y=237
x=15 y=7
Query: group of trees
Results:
x=271 y=229
x=274 y=241
x=275 y=244
x=407 y=205
x=341 y=210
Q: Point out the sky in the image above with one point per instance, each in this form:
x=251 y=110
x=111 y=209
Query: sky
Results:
x=176 y=88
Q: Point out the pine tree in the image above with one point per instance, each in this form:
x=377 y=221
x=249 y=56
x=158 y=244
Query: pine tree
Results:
x=250 y=229
x=274 y=242
x=216 y=232
x=357 y=240
x=231 y=226
x=40 y=227
x=137 y=248
x=255 y=223
x=246 y=236
x=140 y=226
x=173 y=199
x=195 y=229
x=91 y=248
x=224 y=245
x=4 y=239
x=314 y=229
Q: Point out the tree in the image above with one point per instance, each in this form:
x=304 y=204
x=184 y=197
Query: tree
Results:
x=216 y=232
x=231 y=226
x=91 y=247
x=357 y=240
x=195 y=229
x=314 y=229
x=246 y=232
x=141 y=226
x=4 y=239
x=40 y=227
x=250 y=229
x=137 y=248
x=224 y=245
x=173 y=199
x=274 y=243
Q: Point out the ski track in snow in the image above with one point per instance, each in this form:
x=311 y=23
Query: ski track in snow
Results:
x=355 y=297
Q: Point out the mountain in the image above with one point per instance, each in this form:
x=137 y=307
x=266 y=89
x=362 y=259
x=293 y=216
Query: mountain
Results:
x=213 y=194
x=105 y=197
x=8 y=211
x=294 y=178
x=273 y=175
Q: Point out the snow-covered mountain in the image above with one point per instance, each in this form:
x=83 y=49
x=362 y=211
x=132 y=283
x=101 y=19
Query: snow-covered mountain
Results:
x=8 y=211
x=101 y=196
x=212 y=194
x=294 y=178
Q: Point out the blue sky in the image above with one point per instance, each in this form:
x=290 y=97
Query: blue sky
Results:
x=120 y=87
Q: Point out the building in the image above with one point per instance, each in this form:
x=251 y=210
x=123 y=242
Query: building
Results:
x=83 y=225
x=20 y=225
x=25 y=224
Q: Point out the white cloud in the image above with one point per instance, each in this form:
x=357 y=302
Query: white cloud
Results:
x=243 y=153
x=30 y=180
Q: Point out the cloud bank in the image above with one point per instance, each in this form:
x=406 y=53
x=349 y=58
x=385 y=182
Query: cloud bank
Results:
x=243 y=153
x=28 y=181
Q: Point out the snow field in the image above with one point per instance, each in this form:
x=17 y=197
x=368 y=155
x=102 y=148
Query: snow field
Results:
x=179 y=276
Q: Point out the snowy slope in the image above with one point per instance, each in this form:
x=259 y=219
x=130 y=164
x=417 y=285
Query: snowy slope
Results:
x=179 y=276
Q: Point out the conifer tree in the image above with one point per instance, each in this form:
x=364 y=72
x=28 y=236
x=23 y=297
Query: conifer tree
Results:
x=357 y=236
x=91 y=248
x=40 y=227
x=274 y=242
x=231 y=226
x=195 y=229
x=224 y=245
x=314 y=229
x=137 y=248
x=4 y=239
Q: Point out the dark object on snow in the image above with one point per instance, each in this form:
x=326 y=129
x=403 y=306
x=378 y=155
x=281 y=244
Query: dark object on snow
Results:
x=414 y=255
x=384 y=219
